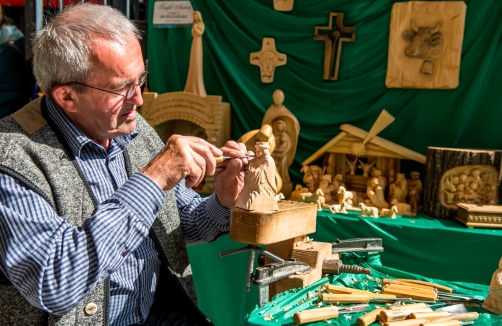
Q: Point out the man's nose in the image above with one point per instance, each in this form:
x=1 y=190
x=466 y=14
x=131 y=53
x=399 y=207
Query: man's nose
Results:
x=136 y=98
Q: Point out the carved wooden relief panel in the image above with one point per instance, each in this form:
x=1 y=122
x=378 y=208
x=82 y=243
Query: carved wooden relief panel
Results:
x=472 y=184
x=425 y=44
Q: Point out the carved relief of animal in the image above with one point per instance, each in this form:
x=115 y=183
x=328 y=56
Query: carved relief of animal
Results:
x=344 y=194
x=425 y=43
x=401 y=207
x=389 y=212
x=317 y=197
x=368 y=210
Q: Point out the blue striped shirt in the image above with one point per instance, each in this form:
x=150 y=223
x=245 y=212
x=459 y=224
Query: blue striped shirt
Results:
x=49 y=261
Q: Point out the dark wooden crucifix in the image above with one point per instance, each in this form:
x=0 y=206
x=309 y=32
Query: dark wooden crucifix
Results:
x=333 y=40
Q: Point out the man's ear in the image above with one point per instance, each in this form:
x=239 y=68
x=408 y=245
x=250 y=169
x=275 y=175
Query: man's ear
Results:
x=65 y=97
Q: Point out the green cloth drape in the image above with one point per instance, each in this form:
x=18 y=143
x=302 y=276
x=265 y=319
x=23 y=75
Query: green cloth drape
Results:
x=466 y=117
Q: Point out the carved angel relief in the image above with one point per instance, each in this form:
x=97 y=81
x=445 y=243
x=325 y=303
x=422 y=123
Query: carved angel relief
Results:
x=472 y=184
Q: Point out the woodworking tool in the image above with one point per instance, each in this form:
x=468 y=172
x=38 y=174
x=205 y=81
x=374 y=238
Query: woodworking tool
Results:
x=268 y=273
x=357 y=245
x=220 y=159
x=318 y=314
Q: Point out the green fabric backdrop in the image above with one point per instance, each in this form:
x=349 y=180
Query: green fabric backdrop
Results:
x=466 y=117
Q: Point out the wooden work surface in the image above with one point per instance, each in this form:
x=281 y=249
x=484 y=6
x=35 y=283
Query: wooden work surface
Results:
x=265 y=227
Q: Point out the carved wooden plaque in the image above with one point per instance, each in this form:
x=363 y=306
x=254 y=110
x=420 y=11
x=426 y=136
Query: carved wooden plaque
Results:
x=425 y=44
x=267 y=59
x=471 y=184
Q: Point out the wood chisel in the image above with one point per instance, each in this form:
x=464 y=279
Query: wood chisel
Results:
x=220 y=159
x=318 y=314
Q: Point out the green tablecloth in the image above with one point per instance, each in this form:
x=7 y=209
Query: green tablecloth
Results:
x=433 y=248
x=284 y=305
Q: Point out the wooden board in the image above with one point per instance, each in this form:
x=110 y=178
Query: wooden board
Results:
x=262 y=228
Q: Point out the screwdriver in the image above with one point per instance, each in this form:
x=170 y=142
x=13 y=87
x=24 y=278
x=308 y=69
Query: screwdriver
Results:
x=220 y=159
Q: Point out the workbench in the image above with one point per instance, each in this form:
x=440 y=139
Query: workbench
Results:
x=438 y=249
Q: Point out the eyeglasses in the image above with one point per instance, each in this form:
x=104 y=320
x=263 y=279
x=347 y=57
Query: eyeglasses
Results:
x=130 y=91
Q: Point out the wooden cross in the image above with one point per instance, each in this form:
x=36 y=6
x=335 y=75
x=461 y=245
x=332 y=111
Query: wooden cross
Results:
x=331 y=41
x=267 y=59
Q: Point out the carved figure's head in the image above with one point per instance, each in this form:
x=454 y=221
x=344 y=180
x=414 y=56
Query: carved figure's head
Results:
x=262 y=149
x=422 y=39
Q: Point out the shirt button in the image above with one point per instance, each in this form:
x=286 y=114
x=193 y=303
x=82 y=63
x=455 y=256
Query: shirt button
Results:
x=155 y=211
x=125 y=253
x=91 y=308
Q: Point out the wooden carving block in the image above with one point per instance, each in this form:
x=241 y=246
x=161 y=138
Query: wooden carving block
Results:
x=456 y=175
x=425 y=44
x=312 y=254
x=262 y=228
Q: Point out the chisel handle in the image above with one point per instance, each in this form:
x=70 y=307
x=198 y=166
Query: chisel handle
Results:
x=345 y=298
x=429 y=315
x=369 y=318
x=394 y=315
x=408 y=322
x=311 y=315
x=443 y=323
x=410 y=306
x=465 y=316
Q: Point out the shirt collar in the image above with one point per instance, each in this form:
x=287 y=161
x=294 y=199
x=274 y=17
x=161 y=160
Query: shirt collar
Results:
x=74 y=136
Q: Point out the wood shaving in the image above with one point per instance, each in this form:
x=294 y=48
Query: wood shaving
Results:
x=268 y=317
x=286 y=308
x=319 y=305
x=299 y=302
x=377 y=280
x=348 y=316
x=262 y=312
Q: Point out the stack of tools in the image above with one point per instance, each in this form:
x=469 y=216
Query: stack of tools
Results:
x=420 y=298
x=418 y=314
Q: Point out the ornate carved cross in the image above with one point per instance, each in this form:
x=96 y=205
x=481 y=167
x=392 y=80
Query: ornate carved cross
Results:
x=267 y=59
x=332 y=40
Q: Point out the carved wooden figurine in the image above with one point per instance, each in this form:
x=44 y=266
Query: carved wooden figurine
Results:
x=415 y=189
x=312 y=176
x=376 y=195
x=366 y=167
x=317 y=198
x=389 y=212
x=368 y=210
x=400 y=188
x=296 y=193
x=327 y=188
x=195 y=79
x=259 y=189
x=493 y=302
x=286 y=129
x=352 y=165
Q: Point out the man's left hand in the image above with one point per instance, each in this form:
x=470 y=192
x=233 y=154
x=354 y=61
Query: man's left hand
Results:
x=229 y=175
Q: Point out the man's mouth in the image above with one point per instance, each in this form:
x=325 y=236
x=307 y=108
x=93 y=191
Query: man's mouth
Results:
x=130 y=114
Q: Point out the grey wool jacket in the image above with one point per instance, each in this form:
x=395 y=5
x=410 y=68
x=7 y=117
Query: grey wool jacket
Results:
x=34 y=153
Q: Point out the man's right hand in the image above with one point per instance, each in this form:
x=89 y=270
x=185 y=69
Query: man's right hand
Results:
x=183 y=157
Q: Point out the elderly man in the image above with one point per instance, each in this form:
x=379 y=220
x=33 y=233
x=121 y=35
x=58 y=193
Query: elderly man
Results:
x=95 y=211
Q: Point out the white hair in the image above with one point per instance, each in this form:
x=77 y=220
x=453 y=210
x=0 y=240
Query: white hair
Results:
x=64 y=48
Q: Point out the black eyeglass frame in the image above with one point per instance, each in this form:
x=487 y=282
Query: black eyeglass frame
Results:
x=130 y=91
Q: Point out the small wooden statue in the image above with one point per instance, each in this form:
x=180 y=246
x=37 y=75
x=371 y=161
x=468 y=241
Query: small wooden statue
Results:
x=286 y=129
x=493 y=301
x=259 y=189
